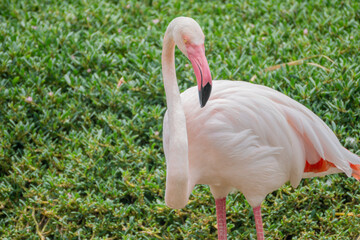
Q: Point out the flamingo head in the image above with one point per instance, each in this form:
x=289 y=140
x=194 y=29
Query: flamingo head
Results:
x=189 y=38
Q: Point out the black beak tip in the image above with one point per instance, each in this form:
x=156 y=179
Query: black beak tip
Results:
x=204 y=94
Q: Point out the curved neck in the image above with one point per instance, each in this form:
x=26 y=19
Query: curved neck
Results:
x=177 y=121
x=173 y=99
x=176 y=194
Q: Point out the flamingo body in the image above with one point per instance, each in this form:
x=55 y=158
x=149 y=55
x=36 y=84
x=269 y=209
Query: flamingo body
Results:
x=248 y=137
x=254 y=139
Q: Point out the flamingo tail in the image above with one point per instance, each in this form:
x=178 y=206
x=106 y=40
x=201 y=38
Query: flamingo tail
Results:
x=324 y=167
x=356 y=171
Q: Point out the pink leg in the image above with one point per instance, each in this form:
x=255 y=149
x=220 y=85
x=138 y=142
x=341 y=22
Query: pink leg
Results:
x=221 y=218
x=258 y=223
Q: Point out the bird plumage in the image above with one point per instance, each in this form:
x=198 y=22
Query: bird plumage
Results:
x=248 y=137
x=252 y=138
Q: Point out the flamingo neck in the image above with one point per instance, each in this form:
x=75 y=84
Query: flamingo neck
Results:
x=176 y=194
x=169 y=74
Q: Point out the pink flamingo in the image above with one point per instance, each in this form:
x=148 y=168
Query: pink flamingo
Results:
x=248 y=137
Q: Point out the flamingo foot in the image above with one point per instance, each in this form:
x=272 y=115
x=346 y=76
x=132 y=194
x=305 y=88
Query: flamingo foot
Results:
x=221 y=218
x=258 y=223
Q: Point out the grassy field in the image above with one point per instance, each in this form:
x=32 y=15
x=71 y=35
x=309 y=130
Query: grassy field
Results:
x=81 y=158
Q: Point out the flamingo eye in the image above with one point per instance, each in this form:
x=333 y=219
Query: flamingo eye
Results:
x=185 y=40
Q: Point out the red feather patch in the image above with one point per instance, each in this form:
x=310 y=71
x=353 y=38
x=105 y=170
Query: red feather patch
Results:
x=356 y=171
x=323 y=165
x=320 y=166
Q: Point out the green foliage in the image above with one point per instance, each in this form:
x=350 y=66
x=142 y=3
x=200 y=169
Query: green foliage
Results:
x=82 y=159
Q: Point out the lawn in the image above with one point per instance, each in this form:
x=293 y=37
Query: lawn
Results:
x=82 y=104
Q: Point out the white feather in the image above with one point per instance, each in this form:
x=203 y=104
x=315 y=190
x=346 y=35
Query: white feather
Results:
x=255 y=139
x=248 y=137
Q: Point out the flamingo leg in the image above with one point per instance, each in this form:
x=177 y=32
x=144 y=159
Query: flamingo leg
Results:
x=258 y=223
x=221 y=218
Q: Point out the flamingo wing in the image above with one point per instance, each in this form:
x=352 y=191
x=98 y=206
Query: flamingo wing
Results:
x=323 y=152
x=279 y=118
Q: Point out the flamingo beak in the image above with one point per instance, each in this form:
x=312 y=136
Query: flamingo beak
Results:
x=196 y=55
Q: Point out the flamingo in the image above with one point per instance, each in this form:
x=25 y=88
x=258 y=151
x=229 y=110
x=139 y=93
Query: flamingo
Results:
x=248 y=137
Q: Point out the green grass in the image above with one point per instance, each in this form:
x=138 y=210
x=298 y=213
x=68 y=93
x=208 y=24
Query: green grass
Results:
x=84 y=159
